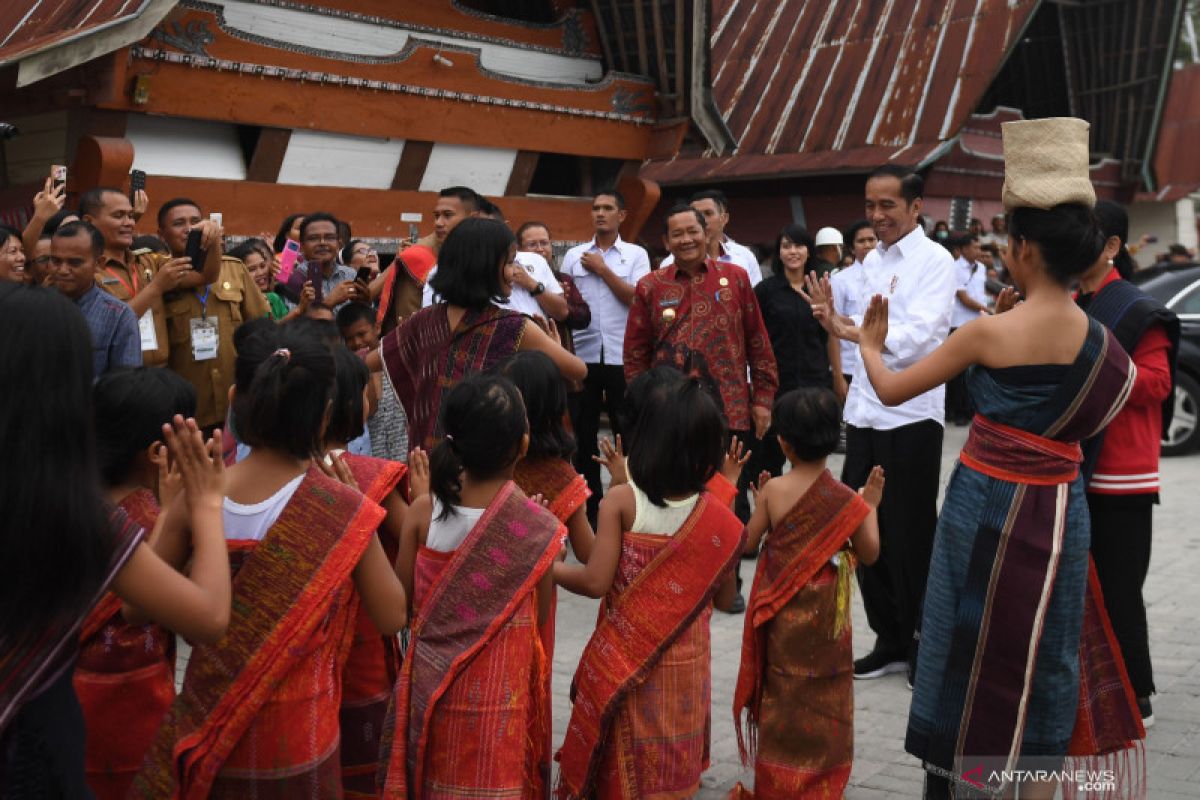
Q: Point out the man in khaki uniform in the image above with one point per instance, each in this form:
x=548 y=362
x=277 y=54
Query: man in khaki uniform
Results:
x=200 y=321
x=141 y=281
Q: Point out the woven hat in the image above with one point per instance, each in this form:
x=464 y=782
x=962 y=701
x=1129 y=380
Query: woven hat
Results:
x=1046 y=163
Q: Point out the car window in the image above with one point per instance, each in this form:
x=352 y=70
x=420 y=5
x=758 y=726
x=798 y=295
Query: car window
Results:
x=1189 y=303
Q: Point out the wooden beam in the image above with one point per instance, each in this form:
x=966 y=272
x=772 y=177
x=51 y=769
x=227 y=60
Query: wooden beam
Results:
x=411 y=169
x=620 y=35
x=522 y=174
x=267 y=159
x=639 y=22
x=681 y=93
x=660 y=48
x=602 y=31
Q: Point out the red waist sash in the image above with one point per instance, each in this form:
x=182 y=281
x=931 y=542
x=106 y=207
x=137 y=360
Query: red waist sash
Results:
x=1011 y=454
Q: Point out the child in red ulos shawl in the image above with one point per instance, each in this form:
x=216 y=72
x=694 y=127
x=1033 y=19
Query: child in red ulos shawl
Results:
x=473 y=699
x=640 y=722
x=797 y=672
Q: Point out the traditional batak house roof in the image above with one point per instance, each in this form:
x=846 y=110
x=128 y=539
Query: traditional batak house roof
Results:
x=817 y=94
x=260 y=108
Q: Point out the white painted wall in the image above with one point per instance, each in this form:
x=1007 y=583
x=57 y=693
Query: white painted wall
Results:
x=355 y=37
x=185 y=148
x=484 y=169
x=1170 y=222
x=317 y=158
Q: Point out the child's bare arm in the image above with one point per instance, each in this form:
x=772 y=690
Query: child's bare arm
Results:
x=595 y=578
x=866 y=538
x=580 y=532
x=382 y=593
x=760 y=520
x=411 y=535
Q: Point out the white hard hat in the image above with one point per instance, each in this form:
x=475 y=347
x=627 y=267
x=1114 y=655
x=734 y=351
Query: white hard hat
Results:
x=829 y=236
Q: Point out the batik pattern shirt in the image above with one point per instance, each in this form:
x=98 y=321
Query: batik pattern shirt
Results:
x=708 y=325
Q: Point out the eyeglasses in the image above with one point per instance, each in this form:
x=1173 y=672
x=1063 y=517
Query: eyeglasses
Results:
x=317 y=238
x=542 y=245
x=41 y=261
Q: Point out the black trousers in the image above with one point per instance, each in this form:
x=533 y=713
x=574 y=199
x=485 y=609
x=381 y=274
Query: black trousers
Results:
x=1121 y=528
x=893 y=587
x=603 y=388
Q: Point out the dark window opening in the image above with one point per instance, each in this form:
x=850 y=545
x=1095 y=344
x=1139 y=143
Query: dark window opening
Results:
x=573 y=176
x=539 y=11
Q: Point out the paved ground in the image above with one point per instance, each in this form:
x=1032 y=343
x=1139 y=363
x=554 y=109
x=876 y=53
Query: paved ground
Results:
x=881 y=767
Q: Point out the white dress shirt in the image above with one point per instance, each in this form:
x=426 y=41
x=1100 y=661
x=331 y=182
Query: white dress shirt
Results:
x=732 y=253
x=603 y=341
x=848 y=292
x=520 y=299
x=972 y=278
x=916 y=274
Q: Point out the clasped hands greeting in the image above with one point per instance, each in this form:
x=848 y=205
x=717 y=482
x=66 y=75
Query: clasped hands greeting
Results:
x=870 y=335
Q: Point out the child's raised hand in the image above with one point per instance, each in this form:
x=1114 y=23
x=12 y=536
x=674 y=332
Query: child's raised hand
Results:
x=612 y=457
x=418 y=473
x=201 y=473
x=336 y=468
x=1006 y=300
x=759 y=486
x=735 y=459
x=170 y=482
x=873 y=491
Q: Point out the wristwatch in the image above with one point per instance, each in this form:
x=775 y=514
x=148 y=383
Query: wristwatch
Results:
x=541 y=287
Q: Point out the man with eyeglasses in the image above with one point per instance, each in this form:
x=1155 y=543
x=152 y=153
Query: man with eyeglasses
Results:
x=319 y=244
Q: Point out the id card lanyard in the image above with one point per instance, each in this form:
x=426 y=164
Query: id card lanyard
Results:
x=204 y=330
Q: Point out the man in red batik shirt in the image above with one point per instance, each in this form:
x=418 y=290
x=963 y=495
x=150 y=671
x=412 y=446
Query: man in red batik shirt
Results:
x=702 y=316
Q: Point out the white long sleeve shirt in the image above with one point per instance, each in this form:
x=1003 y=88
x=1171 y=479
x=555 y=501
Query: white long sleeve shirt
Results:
x=917 y=276
x=972 y=278
x=847 y=285
x=603 y=341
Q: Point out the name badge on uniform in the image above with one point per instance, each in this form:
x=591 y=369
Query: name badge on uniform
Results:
x=146 y=331
x=204 y=338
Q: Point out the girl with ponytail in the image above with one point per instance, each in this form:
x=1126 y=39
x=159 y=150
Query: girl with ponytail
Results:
x=476 y=557
x=305 y=557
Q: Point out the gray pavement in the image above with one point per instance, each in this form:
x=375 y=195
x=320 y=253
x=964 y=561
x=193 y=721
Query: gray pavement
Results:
x=881 y=767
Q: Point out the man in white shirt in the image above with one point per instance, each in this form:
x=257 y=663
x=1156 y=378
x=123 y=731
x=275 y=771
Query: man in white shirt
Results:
x=714 y=207
x=970 y=301
x=847 y=287
x=605 y=271
x=916 y=274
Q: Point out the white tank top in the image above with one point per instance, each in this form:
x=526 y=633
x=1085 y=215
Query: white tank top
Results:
x=445 y=535
x=251 y=522
x=649 y=518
